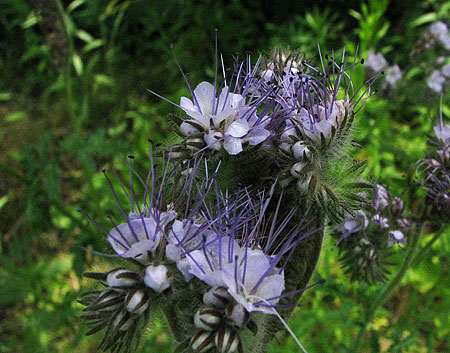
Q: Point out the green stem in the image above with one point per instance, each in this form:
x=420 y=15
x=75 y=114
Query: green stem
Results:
x=425 y=249
x=386 y=291
x=67 y=70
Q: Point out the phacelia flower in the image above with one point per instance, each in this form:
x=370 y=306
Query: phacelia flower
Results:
x=365 y=238
x=393 y=74
x=376 y=62
x=442 y=132
x=184 y=237
x=436 y=81
x=140 y=237
x=254 y=282
x=439 y=31
x=225 y=122
x=446 y=70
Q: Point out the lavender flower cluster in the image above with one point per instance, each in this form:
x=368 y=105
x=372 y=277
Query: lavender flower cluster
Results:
x=230 y=225
x=376 y=62
x=365 y=237
x=435 y=170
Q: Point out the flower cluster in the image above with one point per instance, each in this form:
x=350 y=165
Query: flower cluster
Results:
x=439 y=32
x=365 y=237
x=232 y=249
x=436 y=40
x=230 y=226
x=436 y=172
x=377 y=62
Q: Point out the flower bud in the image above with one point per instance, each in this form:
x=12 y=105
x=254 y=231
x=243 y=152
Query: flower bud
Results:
x=123 y=321
x=381 y=221
x=303 y=183
x=157 y=278
x=109 y=300
x=396 y=237
x=371 y=254
x=137 y=301
x=122 y=279
x=227 y=340
x=202 y=341
x=217 y=297
x=208 y=319
x=397 y=206
x=299 y=149
x=195 y=143
x=404 y=223
x=297 y=169
x=285 y=147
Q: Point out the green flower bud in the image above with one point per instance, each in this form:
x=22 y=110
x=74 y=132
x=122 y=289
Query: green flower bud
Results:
x=207 y=319
x=227 y=340
x=202 y=341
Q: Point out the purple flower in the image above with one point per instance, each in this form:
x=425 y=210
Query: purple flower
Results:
x=380 y=198
x=442 y=132
x=184 y=237
x=207 y=264
x=355 y=224
x=435 y=81
x=396 y=237
x=393 y=74
x=225 y=122
x=140 y=237
x=253 y=280
x=376 y=62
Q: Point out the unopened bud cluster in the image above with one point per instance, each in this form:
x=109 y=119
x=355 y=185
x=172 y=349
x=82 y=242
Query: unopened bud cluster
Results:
x=365 y=239
x=435 y=170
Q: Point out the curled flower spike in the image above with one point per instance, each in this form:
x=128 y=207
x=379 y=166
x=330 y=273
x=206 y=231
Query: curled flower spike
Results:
x=365 y=238
x=435 y=171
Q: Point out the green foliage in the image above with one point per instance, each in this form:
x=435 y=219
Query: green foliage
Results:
x=66 y=112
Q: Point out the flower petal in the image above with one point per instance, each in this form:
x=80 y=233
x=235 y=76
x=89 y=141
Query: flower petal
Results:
x=212 y=139
x=256 y=136
x=238 y=128
x=205 y=95
x=233 y=145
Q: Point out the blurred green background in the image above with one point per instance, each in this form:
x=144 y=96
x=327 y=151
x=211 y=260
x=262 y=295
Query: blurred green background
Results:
x=73 y=101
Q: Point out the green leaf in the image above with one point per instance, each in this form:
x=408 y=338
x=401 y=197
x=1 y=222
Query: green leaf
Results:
x=427 y=18
x=77 y=64
x=84 y=36
x=3 y=201
x=16 y=116
x=75 y=4
x=5 y=96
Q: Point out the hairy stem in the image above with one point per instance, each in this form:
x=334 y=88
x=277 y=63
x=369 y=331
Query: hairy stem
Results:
x=172 y=319
x=386 y=291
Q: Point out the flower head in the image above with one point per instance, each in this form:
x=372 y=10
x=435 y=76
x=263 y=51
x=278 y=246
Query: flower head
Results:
x=393 y=74
x=436 y=81
x=376 y=62
x=225 y=122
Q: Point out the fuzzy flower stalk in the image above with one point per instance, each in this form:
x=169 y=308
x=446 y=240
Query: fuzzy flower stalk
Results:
x=435 y=173
x=368 y=238
x=223 y=233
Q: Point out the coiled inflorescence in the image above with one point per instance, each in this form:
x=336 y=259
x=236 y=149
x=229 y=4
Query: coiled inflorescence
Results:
x=365 y=239
x=435 y=170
